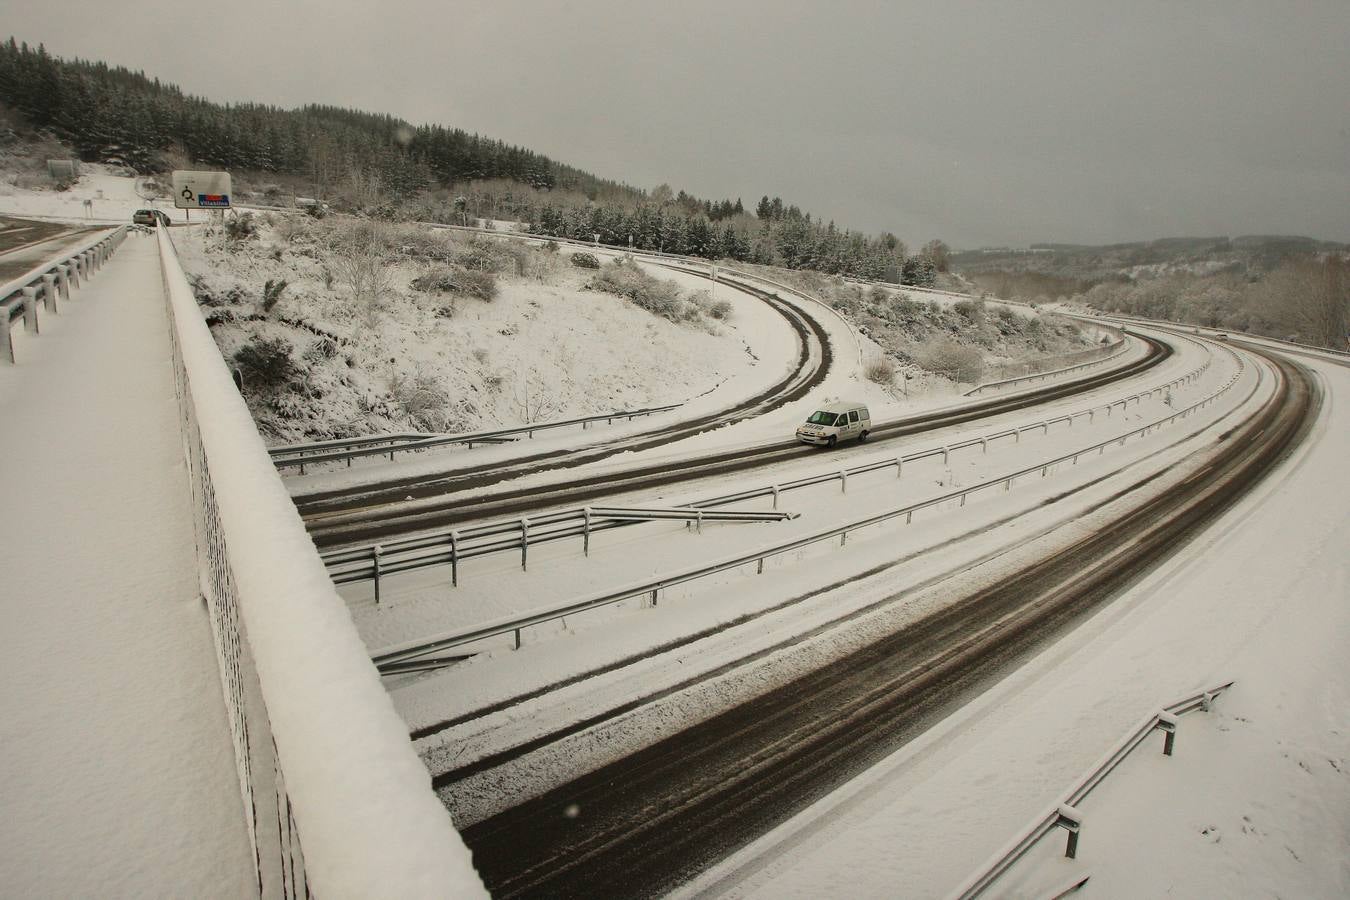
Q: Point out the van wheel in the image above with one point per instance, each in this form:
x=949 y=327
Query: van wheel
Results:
x=862 y=438
x=831 y=442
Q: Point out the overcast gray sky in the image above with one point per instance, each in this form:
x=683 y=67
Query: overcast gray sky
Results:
x=980 y=123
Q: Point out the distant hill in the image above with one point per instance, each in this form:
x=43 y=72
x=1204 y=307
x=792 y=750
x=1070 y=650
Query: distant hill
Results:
x=1249 y=255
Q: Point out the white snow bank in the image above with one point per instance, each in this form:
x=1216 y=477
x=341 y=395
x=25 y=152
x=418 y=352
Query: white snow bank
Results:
x=369 y=823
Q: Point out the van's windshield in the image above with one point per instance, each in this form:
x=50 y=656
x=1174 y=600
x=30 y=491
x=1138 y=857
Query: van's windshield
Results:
x=822 y=418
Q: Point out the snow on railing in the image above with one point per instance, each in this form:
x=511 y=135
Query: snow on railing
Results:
x=1052 y=367
x=378 y=445
x=323 y=759
x=1065 y=813
x=51 y=282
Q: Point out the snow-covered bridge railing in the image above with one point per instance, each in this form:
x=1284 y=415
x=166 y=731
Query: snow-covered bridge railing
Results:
x=51 y=283
x=1065 y=813
x=336 y=801
x=378 y=445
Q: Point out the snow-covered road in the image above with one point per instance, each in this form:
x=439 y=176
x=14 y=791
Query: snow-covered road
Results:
x=1254 y=803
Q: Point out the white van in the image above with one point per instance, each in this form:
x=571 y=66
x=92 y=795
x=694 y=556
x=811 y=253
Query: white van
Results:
x=834 y=423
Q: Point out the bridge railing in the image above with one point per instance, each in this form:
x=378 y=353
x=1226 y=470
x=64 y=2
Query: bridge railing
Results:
x=336 y=801
x=50 y=282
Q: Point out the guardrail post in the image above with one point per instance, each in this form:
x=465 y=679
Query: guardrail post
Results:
x=375 y=559
x=1092 y=414
x=899 y=466
x=6 y=340
x=984 y=445
x=30 y=315
x=698 y=521
x=1046 y=426
x=843 y=481
x=49 y=291
x=63 y=281
x=524 y=544
x=655 y=591
x=586 y=531
x=1167 y=724
x=72 y=267
x=759 y=570
x=1071 y=820
x=454 y=559
x=775 y=496
x=946 y=451
x=1017 y=435
x=517 y=638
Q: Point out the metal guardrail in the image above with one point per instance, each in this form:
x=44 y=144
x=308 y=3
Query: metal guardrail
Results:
x=451 y=547
x=51 y=282
x=415 y=655
x=378 y=561
x=1065 y=813
x=330 y=451
x=1109 y=352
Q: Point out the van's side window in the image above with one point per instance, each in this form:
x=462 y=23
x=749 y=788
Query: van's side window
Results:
x=853 y=416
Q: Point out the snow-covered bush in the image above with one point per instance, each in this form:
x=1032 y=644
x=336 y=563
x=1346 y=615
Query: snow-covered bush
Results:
x=452 y=280
x=585 y=261
x=648 y=292
x=241 y=228
x=952 y=360
x=880 y=371
x=267 y=362
x=422 y=398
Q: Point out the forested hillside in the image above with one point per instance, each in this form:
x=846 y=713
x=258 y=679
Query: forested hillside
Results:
x=382 y=166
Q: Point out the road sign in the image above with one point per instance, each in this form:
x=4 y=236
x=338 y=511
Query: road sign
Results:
x=201 y=190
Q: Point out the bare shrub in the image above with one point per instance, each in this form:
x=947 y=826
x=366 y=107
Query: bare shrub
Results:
x=417 y=242
x=422 y=397
x=721 y=309
x=880 y=371
x=952 y=360
x=358 y=259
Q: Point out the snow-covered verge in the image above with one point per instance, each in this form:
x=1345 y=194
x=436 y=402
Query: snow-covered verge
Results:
x=111 y=194
x=368 y=822
x=423 y=351
x=1254 y=801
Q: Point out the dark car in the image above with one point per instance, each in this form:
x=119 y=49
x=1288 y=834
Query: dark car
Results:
x=151 y=217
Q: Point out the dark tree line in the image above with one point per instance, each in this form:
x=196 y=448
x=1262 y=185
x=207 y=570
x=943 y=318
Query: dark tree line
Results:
x=112 y=114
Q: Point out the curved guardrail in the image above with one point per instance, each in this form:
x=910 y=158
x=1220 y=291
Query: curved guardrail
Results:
x=452 y=547
x=51 y=282
x=416 y=655
x=1065 y=813
x=353 y=448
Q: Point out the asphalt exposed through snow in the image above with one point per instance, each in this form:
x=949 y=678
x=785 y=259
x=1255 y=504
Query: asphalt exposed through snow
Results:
x=650 y=821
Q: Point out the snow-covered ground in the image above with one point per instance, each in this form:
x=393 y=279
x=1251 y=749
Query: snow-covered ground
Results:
x=112 y=195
